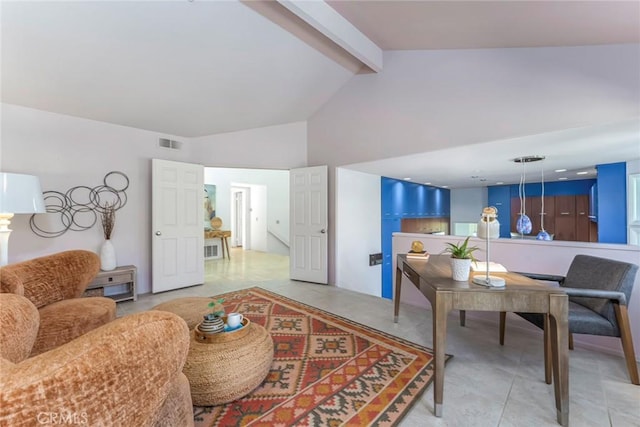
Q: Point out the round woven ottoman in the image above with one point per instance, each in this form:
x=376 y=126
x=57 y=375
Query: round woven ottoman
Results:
x=221 y=372
x=191 y=309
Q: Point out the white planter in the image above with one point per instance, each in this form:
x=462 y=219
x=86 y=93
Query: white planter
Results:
x=107 y=256
x=460 y=269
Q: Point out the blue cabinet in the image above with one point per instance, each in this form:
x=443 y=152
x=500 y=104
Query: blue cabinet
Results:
x=445 y=203
x=418 y=200
x=393 y=195
x=500 y=197
x=389 y=226
x=402 y=199
x=612 y=203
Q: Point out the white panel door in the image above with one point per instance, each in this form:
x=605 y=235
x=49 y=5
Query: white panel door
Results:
x=308 y=219
x=176 y=226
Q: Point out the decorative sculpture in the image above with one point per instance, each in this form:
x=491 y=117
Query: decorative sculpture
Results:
x=79 y=206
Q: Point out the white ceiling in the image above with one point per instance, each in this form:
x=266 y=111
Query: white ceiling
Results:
x=401 y=25
x=479 y=165
x=177 y=67
x=193 y=68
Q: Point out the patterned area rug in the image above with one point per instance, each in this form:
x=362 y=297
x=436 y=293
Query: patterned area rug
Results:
x=327 y=370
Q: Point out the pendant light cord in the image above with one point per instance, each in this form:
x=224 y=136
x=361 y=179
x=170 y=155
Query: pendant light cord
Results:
x=542 y=214
x=522 y=193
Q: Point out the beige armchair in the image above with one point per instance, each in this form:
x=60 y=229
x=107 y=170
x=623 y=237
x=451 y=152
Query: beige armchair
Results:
x=54 y=284
x=125 y=373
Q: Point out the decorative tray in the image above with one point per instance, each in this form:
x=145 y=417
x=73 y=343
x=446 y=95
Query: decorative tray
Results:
x=226 y=336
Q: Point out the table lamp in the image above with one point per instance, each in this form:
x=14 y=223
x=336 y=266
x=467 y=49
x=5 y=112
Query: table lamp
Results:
x=19 y=194
x=489 y=228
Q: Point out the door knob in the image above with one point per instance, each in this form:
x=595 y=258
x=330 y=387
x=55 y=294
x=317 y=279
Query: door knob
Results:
x=158 y=233
x=323 y=231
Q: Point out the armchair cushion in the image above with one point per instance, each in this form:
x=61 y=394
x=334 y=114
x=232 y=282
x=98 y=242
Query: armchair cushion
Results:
x=178 y=408
x=68 y=272
x=42 y=293
x=120 y=374
x=581 y=321
x=68 y=319
x=10 y=282
x=54 y=284
x=19 y=320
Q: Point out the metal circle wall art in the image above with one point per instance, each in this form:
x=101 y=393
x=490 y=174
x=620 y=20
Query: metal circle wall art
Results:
x=80 y=206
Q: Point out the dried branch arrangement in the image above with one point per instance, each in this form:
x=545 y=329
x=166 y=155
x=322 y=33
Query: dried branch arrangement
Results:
x=108 y=217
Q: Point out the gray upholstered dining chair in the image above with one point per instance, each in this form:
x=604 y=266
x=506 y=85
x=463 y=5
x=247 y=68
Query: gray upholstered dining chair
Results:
x=599 y=290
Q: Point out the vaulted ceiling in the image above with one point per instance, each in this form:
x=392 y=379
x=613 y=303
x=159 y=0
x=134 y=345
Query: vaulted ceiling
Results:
x=194 y=68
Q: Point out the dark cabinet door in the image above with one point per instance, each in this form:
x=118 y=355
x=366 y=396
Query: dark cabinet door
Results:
x=538 y=212
x=565 y=218
x=582 y=219
x=565 y=228
x=565 y=206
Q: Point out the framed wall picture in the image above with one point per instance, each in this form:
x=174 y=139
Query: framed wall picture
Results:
x=209 y=204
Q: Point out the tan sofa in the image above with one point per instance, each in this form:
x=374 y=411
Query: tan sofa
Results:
x=65 y=360
x=125 y=373
x=54 y=284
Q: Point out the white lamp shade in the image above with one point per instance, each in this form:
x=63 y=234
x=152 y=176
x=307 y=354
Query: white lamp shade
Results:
x=488 y=226
x=494 y=229
x=20 y=194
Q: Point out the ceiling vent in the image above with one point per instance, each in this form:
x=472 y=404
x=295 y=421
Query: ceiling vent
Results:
x=169 y=143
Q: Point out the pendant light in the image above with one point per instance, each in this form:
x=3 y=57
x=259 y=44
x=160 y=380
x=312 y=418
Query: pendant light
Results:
x=523 y=223
x=542 y=234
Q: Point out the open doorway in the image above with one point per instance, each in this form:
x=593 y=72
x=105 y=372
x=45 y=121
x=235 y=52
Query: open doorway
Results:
x=239 y=212
x=254 y=205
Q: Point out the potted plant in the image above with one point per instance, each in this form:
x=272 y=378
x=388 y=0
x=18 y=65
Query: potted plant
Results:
x=461 y=258
x=217 y=309
x=213 y=323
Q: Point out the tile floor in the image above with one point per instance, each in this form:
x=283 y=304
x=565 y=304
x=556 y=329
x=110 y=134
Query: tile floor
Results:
x=485 y=384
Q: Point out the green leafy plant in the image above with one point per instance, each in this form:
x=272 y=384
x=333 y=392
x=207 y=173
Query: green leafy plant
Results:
x=220 y=310
x=461 y=251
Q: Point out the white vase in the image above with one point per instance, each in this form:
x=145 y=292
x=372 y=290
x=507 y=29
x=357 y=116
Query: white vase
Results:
x=460 y=269
x=107 y=256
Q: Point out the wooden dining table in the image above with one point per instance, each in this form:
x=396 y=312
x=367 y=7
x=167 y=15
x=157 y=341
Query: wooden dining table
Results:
x=521 y=294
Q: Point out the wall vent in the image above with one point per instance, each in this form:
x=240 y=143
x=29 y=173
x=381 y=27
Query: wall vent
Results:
x=169 y=143
x=211 y=251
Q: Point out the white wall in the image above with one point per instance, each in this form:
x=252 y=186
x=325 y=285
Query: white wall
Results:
x=433 y=99
x=357 y=231
x=467 y=204
x=276 y=216
x=272 y=147
x=66 y=151
x=534 y=257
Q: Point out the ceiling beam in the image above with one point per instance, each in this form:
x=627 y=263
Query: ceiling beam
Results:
x=334 y=26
